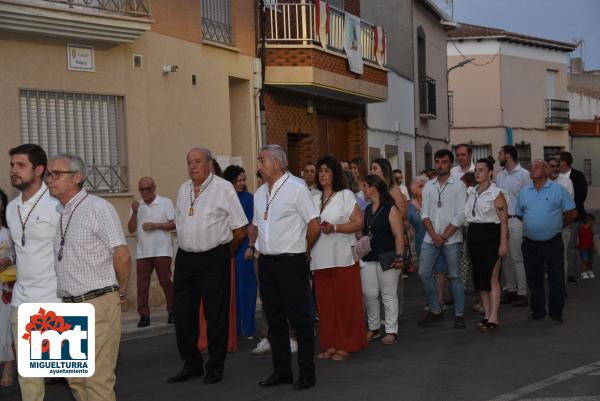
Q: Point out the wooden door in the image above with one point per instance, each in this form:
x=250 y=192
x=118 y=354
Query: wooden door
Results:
x=333 y=137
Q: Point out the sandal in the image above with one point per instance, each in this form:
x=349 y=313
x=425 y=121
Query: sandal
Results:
x=482 y=322
x=327 y=354
x=488 y=327
x=389 y=339
x=371 y=334
x=340 y=355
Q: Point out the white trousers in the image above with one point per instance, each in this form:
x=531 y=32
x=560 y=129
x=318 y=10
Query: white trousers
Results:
x=513 y=268
x=375 y=282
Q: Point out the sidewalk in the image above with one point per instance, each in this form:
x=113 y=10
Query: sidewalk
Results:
x=158 y=324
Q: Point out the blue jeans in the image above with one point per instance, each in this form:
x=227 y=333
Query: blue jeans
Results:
x=452 y=253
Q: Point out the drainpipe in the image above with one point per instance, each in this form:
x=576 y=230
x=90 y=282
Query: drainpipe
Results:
x=509 y=136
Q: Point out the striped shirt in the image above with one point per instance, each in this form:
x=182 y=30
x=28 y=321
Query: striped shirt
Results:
x=92 y=234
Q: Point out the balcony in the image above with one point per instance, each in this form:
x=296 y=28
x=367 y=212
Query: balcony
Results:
x=108 y=21
x=427 y=103
x=297 y=60
x=557 y=113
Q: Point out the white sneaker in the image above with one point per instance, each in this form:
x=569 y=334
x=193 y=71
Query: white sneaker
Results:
x=262 y=347
x=584 y=276
x=293 y=345
x=591 y=274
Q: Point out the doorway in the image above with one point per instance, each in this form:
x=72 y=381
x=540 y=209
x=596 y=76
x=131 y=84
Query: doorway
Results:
x=333 y=136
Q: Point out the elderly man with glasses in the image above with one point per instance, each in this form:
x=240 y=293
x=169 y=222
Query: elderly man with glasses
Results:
x=152 y=217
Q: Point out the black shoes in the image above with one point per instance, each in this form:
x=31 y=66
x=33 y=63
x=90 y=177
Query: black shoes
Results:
x=304 y=383
x=459 y=323
x=144 y=321
x=430 y=318
x=171 y=319
x=535 y=318
x=276 y=380
x=571 y=279
x=187 y=374
x=508 y=297
x=212 y=377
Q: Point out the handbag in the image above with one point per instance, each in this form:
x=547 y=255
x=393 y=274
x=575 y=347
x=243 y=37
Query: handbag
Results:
x=386 y=259
x=362 y=247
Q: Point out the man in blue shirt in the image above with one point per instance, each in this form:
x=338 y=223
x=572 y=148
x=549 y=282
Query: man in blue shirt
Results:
x=545 y=208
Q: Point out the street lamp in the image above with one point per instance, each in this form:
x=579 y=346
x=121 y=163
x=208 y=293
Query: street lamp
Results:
x=461 y=64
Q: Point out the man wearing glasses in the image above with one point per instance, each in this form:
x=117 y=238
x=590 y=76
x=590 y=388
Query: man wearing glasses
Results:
x=153 y=217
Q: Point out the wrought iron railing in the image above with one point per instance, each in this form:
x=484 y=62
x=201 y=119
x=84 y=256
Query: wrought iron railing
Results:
x=135 y=8
x=294 y=24
x=216 y=21
x=107 y=178
x=557 y=112
x=427 y=101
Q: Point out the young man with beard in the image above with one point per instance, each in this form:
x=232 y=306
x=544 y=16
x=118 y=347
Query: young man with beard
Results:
x=512 y=179
x=32 y=220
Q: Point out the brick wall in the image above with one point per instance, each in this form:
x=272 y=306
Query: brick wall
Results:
x=304 y=57
x=286 y=113
x=353 y=6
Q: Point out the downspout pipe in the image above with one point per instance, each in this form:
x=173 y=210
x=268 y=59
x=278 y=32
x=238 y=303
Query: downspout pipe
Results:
x=509 y=135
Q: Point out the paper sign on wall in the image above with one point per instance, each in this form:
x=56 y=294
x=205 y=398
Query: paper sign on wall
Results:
x=80 y=58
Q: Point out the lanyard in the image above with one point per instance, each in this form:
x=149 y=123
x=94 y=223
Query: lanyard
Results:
x=266 y=215
x=324 y=203
x=24 y=223
x=193 y=198
x=63 y=234
x=477 y=196
x=439 y=204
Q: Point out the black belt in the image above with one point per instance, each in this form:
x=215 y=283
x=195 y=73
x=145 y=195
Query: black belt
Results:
x=91 y=294
x=283 y=255
x=513 y=216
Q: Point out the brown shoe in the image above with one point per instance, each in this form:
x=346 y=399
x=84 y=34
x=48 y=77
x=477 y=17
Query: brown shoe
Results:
x=508 y=297
x=389 y=339
x=521 y=300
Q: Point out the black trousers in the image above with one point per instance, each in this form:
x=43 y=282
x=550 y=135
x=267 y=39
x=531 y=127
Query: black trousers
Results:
x=285 y=292
x=206 y=276
x=537 y=255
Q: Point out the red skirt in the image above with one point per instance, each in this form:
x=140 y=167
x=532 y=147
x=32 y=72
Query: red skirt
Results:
x=341 y=310
x=232 y=340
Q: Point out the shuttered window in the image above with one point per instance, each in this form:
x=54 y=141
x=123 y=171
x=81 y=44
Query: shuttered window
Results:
x=86 y=125
x=216 y=21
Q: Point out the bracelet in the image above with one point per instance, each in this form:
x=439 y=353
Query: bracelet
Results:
x=399 y=257
x=123 y=295
x=335 y=228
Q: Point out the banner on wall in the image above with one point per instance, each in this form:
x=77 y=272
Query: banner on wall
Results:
x=379 y=45
x=353 y=43
x=322 y=22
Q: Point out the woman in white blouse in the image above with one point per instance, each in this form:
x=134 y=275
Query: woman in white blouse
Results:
x=486 y=212
x=336 y=271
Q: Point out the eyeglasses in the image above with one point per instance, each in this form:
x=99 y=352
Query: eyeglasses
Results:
x=55 y=175
x=146 y=189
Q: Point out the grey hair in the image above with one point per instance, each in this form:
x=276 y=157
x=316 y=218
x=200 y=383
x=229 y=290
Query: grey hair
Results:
x=76 y=164
x=423 y=178
x=207 y=154
x=278 y=153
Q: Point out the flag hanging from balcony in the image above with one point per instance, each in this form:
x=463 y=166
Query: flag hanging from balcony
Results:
x=322 y=22
x=353 y=42
x=379 y=45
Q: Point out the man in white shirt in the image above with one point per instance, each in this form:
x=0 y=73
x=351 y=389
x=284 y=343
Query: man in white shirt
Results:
x=512 y=179
x=32 y=219
x=464 y=160
x=153 y=217
x=310 y=177
x=398 y=179
x=443 y=214
x=288 y=227
x=210 y=226
x=566 y=183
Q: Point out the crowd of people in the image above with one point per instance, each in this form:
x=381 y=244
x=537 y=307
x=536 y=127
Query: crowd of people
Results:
x=325 y=251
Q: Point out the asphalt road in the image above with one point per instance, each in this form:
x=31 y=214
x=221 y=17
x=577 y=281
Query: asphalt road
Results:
x=521 y=361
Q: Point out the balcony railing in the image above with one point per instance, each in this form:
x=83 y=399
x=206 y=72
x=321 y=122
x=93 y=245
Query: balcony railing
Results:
x=107 y=178
x=427 y=102
x=135 y=8
x=557 y=112
x=294 y=24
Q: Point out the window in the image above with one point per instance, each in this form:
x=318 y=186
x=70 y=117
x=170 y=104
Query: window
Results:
x=551 y=76
x=391 y=154
x=374 y=153
x=524 y=155
x=551 y=151
x=216 y=21
x=587 y=170
x=87 y=125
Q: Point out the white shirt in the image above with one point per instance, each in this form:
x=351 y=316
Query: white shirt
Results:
x=512 y=183
x=155 y=242
x=217 y=211
x=458 y=172
x=485 y=209
x=453 y=196
x=291 y=209
x=335 y=249
x=313 y=190
x=36 y=278
x=565 y=181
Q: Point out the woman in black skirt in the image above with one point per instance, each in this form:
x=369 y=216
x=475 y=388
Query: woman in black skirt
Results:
x=487 y=215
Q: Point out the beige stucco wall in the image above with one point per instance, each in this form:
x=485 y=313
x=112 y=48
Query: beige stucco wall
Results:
x=435 y=39
x=165 y=114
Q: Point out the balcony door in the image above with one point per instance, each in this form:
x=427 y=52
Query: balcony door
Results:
x=333 y=134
